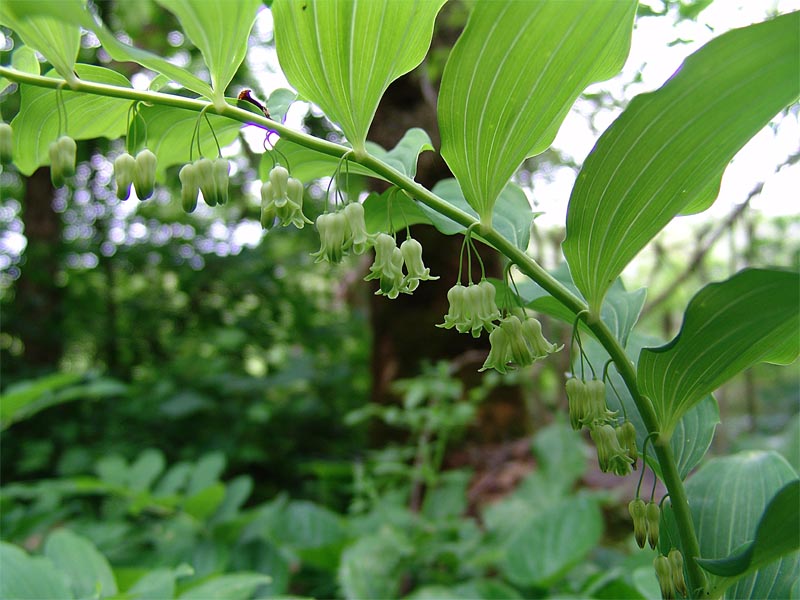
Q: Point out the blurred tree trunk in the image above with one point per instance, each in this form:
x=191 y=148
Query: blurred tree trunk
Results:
x=38 y=297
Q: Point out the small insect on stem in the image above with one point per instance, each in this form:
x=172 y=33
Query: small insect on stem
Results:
x=246 y=95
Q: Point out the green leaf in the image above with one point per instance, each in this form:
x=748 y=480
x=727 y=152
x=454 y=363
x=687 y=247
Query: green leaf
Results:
x=370 y=567
x=343 y=55
x=204 y=503
x=35 y=578
x=88 y=116
x=144 y=471
x=307 y=165
x=511 y=79
x=206 y=472
x=778 y=533
x=728 y=326
x=279 y=102
x=77 y=13
x=169 y=135
x=57 y=40
x=564 y=534
x=23 y=59
x=159 y=583
x=87 y=571
x=561 y=455
x=666 y=153
x=236 y=586
x=26 y=398
x=221 y=31
x=727 y=498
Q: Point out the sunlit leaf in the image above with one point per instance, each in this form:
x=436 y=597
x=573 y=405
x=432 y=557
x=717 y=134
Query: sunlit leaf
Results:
x=76 y=13
x=728 y=326
x=667 y=151
x=343 y=55
x=221 y=31
x=57 y=40
x=511 y=79
x=88 y=116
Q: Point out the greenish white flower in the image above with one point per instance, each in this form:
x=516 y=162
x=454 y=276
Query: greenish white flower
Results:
x=144 y=174
x=190 y=186
x=62 y=153
x=675 y=559
x=332 y=229
x=653 y=515
x=411 y=250
x=610 y=455
x=124 y=169
x=472 y=308
x=636 y=508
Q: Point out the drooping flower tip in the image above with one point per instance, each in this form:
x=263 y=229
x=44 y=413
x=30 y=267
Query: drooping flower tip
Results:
x=636 y=508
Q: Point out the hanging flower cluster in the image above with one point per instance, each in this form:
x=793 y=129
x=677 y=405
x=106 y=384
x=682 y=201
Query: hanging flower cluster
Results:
x=207 y=176
x=669 y=572
x=616 y=446
x=472 y=308
x=139 y=172
x=282 y=198
x=518 y=342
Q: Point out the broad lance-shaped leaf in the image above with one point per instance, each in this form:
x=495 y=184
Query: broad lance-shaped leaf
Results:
x=751 y=317
x=88 y=116
x=221 y=31
x=666 y=153
x=730 y=498
x=343 y=55
x=778 y=533
x=57 y=40
x=511 y=79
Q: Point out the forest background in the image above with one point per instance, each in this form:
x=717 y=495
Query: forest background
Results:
x=211 y=411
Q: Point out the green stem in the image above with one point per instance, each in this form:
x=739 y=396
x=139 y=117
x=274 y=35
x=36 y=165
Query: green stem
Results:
x=525 y=263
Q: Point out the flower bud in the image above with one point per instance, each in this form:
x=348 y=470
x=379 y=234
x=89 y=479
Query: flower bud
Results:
x=610 y=456
x=664 y=576
x=6 y=143
x=456 y=296
x=220 y=168
x=500 y=351
x=653 y=516
x=62 y=159
x=388 y=266
x=636 y=508
x=144 y=176
x=578 y=402
x=205 y=176
x=190 y=186
x=124 y=169
x=598 y=412
x=279 y=178
x=626 y=435
x=332 y=229
x=675 y=559
x=357 y=228
x=417 y=271
x=532 y=331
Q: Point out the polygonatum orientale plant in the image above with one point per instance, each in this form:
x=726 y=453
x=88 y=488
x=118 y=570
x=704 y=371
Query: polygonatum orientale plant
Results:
x=732 y=528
